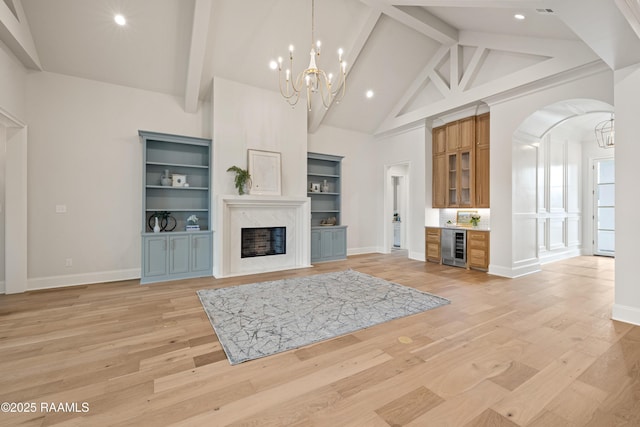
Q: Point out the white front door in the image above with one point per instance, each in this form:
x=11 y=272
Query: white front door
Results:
x=604 y=207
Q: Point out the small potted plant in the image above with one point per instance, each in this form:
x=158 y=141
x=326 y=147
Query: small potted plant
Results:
x=242 y=179
x=475 y=218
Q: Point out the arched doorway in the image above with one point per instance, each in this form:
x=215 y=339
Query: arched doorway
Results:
x=553 y=181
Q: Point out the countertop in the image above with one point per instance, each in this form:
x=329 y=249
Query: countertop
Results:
x=460 y=227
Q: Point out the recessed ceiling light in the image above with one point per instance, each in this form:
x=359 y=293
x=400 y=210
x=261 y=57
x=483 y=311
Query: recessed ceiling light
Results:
x=369 y=93
x=519 y=16
x=120 y=20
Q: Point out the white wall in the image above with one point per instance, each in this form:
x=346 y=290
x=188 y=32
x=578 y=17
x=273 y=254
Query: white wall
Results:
x=360 y=171
x=407 y=147
x=12 y=83
x=247 y=117
x=627 y=110
x=559 y=210
x=85 y=153
x=506 y=117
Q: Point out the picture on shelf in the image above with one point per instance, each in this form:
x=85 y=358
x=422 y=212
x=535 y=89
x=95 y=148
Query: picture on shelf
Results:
x=314 y=187
x=179 y=180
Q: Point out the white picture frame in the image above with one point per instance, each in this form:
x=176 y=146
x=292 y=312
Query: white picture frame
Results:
x=265 y=171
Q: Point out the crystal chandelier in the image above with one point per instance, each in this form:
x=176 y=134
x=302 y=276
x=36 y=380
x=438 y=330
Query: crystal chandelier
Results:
x=605 y=133
x=313 y=79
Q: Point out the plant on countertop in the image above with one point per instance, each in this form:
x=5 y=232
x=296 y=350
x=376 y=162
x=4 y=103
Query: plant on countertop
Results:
x=242 y=178
x=475 y=218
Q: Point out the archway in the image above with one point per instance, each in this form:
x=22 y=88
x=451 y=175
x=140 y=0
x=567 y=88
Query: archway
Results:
x=552 y=153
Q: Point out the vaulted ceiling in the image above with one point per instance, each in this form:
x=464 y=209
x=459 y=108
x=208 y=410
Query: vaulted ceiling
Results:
x=421 y=58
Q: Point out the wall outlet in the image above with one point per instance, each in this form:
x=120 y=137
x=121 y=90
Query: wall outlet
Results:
x=68 y=262
x=61 y=208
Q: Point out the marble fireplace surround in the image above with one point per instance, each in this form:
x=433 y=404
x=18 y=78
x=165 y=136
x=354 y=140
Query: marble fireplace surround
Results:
x=264 y=211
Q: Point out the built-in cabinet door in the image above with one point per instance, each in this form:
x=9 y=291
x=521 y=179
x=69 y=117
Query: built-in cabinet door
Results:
x=326 y=247
x=200 y=252
x=478 y=249
x=439 y=181
x=467 y=133
x=178 y=254
x=316 y=244
x=482 y=161
x=452 y=179
x=439 y=140
x=339 y=242
x=465 y=179
x=453 y=136
x=432 y=244
x=155 y=256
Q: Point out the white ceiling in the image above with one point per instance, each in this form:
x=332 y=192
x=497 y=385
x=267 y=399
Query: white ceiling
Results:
x=400 y=49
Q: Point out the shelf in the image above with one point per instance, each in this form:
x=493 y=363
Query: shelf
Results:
x=320 y=193
x=169 y=187
x=174 y=232
x=176 y=210
x=325 y=175
x=179 y=165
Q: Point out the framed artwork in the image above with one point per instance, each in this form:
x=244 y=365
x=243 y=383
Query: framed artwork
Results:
x=463 y=218
x=264 y=167
x=314 y=187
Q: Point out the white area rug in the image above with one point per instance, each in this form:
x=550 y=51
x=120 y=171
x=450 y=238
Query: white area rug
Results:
x=260 y=319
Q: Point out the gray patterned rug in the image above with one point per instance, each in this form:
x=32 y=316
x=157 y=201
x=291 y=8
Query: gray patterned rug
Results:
x=260 y=319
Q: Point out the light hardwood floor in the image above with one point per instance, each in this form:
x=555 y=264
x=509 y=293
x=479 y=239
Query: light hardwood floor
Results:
x=535 y=351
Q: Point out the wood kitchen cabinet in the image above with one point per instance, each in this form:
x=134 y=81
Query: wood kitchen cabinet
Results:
x=460 y=163
x=432 y=244
x=482 y=161
x=439 y=164
x=478 y=249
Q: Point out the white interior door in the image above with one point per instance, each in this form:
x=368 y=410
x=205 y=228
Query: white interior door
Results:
x=604 y=207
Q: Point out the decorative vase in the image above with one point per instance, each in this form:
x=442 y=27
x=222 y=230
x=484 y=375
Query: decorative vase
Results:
x=325 y=187
x=156 y=227
x=165 y=178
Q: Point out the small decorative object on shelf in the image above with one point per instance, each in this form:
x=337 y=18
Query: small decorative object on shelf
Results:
x=164 y=219
x=242 y=179
x=329 y=221
x=475 y=218
x=314 y=187
x=325 y=187
x=192 y=223
x=156 y=227
x=165 y=178
x=178 y=180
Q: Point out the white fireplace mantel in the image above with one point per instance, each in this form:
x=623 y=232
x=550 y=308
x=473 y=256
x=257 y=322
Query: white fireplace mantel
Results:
x=237 y=212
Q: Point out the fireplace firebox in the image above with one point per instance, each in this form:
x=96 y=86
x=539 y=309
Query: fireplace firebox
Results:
x=263 y=241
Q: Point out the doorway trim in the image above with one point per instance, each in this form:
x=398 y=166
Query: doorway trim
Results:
x=389 y=173
x=15 y=209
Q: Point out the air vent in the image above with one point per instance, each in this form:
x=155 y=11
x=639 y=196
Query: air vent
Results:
x=545 y=11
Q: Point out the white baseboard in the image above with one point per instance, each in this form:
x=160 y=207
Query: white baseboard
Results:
x=558 y=256
x=624 y=313
x=418 y=256
x=513 y=272
x=360 y=251
x=82 y=279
